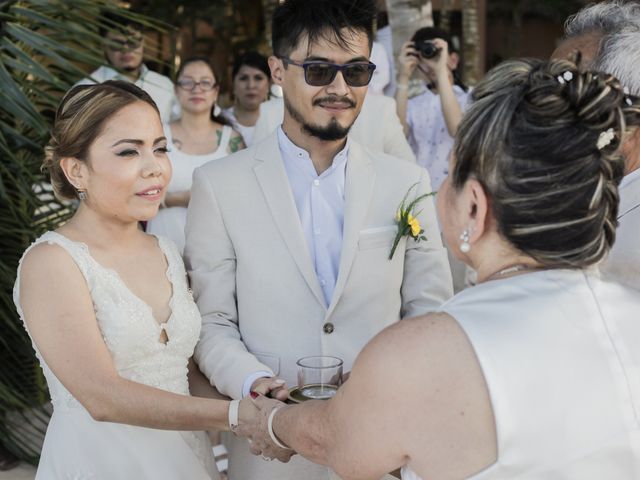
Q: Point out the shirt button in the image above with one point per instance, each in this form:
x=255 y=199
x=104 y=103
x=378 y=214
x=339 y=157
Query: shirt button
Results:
x=316 y=182
x=328 y=327
x=323 y=283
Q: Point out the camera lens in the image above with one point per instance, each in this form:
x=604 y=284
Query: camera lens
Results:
x=428 y=49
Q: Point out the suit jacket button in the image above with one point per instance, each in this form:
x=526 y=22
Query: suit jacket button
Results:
x=327 y=327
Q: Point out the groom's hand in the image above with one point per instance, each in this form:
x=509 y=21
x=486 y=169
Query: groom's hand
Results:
x=273 y=387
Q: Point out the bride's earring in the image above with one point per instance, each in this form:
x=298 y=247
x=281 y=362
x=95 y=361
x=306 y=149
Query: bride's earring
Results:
x=465 y=246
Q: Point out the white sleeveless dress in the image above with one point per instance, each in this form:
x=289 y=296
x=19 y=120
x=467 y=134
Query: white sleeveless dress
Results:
x=170 y=222
x=560 y=351
x=78 y=447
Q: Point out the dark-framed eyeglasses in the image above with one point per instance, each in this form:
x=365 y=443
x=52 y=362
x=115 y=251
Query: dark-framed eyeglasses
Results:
x=189 y=84
x=320 y=74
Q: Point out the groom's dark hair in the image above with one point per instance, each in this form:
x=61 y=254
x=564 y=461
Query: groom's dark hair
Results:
x=320 y=19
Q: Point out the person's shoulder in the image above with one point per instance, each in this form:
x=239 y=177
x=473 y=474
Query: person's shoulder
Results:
x=406 y=339
x=44 y=258
x=99 y=75
x=233 y=163
x=159 y=80
x=387 y=165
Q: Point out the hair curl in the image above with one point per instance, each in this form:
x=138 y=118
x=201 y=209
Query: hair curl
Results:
x=531 y=140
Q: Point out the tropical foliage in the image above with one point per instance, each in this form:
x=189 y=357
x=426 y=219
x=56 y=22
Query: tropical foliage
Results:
x=45 y=47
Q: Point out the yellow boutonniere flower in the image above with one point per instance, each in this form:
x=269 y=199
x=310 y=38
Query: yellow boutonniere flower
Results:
x=414 y=223
x=407 y=221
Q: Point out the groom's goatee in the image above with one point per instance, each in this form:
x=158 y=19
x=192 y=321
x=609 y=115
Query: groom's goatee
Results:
x=331 y=132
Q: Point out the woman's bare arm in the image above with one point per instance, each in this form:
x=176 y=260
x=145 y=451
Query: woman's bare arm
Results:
x=416 y=396
x=60 y=317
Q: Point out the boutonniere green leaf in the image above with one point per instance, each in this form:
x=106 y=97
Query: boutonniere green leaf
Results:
x=407 y=219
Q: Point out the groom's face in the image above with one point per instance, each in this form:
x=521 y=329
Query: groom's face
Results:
x=327 y=111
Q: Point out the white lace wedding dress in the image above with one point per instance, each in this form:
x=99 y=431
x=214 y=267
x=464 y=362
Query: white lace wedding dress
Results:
x=78 y=447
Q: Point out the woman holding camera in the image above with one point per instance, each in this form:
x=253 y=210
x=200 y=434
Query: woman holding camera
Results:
x=431 y=119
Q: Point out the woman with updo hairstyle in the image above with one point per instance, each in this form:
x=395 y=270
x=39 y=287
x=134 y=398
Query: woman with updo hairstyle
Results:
x=533 y=373
x=107 y=306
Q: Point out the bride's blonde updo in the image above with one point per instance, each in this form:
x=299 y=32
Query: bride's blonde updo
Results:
x=79 y=120
x=542 y=138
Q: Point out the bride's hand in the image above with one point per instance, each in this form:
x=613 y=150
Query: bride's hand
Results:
x=253 y=424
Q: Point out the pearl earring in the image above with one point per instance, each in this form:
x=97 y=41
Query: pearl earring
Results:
x=465 y=247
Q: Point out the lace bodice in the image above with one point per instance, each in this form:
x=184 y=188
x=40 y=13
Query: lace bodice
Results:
x=128 y=326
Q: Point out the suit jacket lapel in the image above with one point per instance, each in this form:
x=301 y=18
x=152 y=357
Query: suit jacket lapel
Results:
x=273 y=180
x=359 y=182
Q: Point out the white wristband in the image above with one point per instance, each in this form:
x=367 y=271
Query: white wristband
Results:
x=271 y=432
x=233 y=414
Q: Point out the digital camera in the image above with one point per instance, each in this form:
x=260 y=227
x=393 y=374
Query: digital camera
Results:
x=427 y=49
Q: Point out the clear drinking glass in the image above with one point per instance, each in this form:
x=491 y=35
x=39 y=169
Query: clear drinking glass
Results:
x=319 y=377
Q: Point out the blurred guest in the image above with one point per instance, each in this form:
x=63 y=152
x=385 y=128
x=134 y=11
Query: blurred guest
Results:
x=382 y=73
x=251 y=77
x=607 y=35
x=124 y=51
x=430 y=120
x=533 y=373
x=200 y=135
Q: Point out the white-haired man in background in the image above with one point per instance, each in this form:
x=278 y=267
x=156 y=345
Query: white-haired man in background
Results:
x=607 y=34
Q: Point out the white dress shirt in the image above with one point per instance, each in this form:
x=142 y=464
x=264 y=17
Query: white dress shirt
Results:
x=159 y=87
x=320 y=203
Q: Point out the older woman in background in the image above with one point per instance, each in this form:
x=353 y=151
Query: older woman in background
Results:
x=533 y=373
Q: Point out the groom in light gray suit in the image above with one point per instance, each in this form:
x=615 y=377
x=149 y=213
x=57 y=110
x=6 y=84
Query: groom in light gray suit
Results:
x=288 y=242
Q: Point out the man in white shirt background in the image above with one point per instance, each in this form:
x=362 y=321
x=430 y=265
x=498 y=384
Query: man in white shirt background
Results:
x=607 y=35
x=288 y=242
x=124 y=51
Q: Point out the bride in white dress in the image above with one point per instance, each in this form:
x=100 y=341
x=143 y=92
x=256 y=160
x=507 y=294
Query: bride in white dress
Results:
x=533 y=373
x=108 y=307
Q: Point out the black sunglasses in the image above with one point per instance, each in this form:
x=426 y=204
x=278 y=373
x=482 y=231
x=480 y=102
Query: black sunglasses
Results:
x=320 y=74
